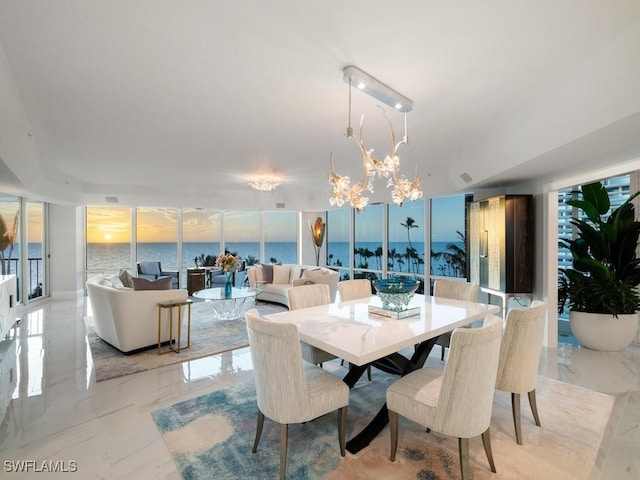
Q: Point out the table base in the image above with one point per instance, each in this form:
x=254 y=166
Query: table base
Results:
x=395 y=364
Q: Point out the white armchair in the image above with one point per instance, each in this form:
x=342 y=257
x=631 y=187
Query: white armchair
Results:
x=287 y=392
x=520 y=357
x=459 y=401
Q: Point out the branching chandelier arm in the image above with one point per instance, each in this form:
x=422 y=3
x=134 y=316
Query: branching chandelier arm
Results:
x=403 y=189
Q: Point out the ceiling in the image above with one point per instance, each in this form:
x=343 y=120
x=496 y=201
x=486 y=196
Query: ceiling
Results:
x=166 y=103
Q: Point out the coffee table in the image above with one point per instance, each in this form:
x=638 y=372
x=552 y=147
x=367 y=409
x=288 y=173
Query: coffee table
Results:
x=227 y=307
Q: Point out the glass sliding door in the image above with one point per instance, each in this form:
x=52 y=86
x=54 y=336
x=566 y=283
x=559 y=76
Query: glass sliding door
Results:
x=10 y=251
x=36 y=250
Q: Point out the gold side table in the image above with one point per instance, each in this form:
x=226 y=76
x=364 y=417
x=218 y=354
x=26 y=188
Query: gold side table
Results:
x=171 y=306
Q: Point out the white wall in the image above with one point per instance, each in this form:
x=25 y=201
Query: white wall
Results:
x=67 y=247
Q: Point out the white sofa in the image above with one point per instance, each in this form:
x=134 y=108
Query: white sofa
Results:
x=287 y=276
x=127 y=319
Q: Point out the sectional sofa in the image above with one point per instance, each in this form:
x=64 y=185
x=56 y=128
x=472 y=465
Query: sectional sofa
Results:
x=274 y=281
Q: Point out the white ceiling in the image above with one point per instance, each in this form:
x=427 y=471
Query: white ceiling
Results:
x=161 y=102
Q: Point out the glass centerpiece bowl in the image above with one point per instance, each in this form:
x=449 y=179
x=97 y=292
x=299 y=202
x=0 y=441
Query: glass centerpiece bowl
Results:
x=396 y=293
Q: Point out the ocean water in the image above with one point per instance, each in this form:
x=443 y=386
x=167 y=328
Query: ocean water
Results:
x=113 y=256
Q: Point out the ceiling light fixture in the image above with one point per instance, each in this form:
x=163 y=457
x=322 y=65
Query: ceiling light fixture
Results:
x=265 y=184
x=403 y=189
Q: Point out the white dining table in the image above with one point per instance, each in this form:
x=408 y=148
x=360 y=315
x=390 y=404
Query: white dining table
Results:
x=349 y=330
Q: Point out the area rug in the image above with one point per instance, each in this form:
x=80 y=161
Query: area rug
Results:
x=210 y=437
x=208 y=337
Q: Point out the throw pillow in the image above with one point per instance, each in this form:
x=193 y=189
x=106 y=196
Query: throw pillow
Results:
x=281 y=274
x=125 y=278
x=144 y=284
x=259 y=274
x=267 y=272
x=317 y=272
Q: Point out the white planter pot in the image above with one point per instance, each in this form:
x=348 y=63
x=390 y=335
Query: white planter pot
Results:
x=604 y=332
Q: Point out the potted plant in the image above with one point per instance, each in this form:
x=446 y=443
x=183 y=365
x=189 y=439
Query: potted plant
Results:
x=601 y=287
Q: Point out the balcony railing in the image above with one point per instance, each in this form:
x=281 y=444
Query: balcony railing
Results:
x=34 y=275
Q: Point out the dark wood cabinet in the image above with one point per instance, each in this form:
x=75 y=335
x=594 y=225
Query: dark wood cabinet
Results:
x=501 y=243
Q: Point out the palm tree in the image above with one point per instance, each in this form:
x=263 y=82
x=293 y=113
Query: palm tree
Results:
x=409 y=224
x=391 y=257
x=458 y=255
x=378 y=254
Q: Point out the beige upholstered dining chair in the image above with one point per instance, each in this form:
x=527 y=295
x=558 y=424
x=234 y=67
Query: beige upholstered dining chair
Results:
x=286 y=391
x=520 y=357
x=459 y=401
x=305 y=296
x=457 y=291
x=352 y=289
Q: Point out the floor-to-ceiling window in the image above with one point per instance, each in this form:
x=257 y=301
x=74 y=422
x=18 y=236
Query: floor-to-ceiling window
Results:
x=157 y=236
x=406 y=251
x=280 y=237
x=118 y=237
x=23 y=245
x=242 y=234
x=338 y=240
x=448 y=250
x=387 y=240
x=108 y=238
x=201 y=239
x=369 y=233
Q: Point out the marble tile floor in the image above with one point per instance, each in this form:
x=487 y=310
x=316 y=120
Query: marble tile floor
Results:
x=51 y=408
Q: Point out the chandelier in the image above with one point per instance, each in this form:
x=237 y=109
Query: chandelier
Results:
x=402 y=188
x=265 y=183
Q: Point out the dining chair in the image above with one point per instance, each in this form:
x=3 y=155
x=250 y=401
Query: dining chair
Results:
x=352 y=289
x=520 y=358
x=305 y=296
x=286 y=391
x=456 y=291
x=458 y=401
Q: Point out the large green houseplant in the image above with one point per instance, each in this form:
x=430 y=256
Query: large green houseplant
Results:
x=601 y=287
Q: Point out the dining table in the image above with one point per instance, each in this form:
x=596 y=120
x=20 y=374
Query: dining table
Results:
x=356 y=332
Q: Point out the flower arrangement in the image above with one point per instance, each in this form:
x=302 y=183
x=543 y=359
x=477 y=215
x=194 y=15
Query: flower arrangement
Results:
x=7 y=240
x=227 y=262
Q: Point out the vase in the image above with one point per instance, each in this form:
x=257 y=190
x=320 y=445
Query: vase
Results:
x=606 y=333
x=227 y=284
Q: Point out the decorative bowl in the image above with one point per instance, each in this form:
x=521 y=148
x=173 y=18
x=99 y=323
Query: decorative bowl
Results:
x=396 y=293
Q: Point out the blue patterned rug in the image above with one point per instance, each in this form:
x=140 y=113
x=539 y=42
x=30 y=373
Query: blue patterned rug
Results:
x=210 y=437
